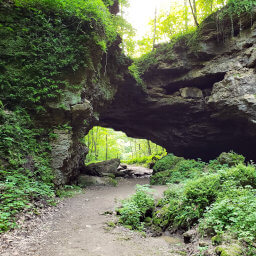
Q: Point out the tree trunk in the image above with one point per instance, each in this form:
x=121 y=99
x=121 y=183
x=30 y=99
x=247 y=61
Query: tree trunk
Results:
x=149 y=148
x=131 y=148
x=154 y=37
x=95 y=144
x=135 y=147
x=106 y=146
x=186 y=14
x=194 y=13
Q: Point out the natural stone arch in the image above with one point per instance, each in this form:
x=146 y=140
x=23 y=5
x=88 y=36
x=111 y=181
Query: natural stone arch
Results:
x=194 y=105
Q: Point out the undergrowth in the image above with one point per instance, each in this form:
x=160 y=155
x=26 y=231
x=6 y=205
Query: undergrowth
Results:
x=219 y=196
x=147 y=161
x=135 y=209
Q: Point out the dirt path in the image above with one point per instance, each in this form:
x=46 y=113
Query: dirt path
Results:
x=80 y=228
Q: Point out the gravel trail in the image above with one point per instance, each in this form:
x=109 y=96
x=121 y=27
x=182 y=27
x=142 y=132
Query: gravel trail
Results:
x=80 y=228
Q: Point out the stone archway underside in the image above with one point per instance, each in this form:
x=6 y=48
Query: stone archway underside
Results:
x=194 y=105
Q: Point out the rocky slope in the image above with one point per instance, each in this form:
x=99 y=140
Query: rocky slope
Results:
x=55 y=69
x=199 y=100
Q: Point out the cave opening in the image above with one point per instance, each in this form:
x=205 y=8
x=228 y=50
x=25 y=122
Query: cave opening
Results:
x=106 y=144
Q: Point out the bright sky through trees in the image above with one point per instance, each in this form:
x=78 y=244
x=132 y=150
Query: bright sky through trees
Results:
x=141 y=11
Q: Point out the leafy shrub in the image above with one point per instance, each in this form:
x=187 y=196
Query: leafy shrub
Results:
x=160 y=178
x=19 y=189
x=135 y=209
x=25 y=172
x=215 y=165
x=181 y=171
x=234 y=211
x=166 y=163
x=240 y=175
x=202 y=192
x=168 y=206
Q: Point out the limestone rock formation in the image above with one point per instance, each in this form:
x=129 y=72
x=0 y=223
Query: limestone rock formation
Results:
x=197 y=100
x=196 y=103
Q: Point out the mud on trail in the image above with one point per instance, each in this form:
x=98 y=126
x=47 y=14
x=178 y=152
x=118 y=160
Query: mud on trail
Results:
x=80 y=228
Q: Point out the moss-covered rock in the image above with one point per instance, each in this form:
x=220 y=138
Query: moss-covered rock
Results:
x=230 y=159
x=86 y=180
x=229 y=250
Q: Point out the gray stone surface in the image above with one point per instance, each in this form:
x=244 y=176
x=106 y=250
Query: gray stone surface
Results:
x=100 y=168
x=195 y=103
x=86 y=180
x=191 y=92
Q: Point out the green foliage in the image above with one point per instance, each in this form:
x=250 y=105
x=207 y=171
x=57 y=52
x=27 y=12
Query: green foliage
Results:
x=162 y=178
x=240 y=6
x=181 y=169
x=205 y=185
x=145 y=160
x=42 y=40
x=133 y=211
x=135 y=73
x=25 y=173
x=180 y=172
x=19 y=190
x=93 y=11
x=68 y=191
x=234 y=212
x=202 y=192
x=166 y=163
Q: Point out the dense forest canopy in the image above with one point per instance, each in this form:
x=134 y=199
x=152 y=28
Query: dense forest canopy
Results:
x=181 y=17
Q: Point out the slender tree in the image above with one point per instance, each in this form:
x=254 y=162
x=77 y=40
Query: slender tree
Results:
x=186 y=14
x=106 y=146
x=194 y=11
x=154 y=36
x=149 y=148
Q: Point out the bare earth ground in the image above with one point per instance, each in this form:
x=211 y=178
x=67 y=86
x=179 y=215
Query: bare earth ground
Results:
x=78 y=228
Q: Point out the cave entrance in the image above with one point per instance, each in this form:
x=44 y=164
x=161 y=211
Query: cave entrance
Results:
x=105 y=144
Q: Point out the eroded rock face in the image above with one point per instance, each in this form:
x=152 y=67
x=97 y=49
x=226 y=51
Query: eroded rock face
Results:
x=75 y=114
x=195 y=104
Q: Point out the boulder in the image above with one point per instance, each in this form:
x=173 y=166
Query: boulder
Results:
x=229 y=250
x=189 y=236
x=103 y=168
x=137 y=171
x=124 y=166
x=87 y=180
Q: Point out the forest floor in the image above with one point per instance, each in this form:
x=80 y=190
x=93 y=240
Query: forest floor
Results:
x=81 y=227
